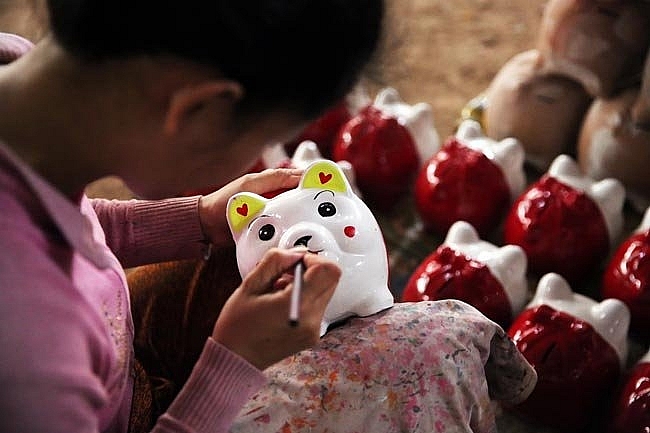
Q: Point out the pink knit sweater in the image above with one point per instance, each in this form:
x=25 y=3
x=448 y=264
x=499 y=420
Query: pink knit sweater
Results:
x=66 y=332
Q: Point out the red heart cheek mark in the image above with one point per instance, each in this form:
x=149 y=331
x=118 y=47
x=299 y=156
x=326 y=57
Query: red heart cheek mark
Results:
x=324 y=178
x=243 y=209
x=350 y=231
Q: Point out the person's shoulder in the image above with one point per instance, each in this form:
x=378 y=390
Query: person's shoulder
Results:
x=36 y=278
x=43 y=315
x=26 y=248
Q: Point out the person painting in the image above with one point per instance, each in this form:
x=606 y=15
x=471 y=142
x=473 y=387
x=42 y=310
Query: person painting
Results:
x=169 y=97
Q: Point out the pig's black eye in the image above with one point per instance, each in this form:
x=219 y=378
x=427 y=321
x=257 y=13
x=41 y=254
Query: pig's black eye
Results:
x=266 y=232
x=326 y=209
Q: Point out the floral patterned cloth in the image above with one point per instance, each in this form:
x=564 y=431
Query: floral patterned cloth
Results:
x=435 y=366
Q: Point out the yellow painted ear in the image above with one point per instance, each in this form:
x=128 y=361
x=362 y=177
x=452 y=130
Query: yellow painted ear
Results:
x=325 y=174
x=242 y=208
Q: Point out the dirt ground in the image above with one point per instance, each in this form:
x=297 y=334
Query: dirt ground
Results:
x=445 y=53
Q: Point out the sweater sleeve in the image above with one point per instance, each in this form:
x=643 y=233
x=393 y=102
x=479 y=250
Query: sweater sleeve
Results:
x=214 y=394
x=150 y=231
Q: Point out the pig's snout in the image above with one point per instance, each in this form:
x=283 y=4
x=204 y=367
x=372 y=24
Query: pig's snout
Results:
x=314 y=237
x=304 y=241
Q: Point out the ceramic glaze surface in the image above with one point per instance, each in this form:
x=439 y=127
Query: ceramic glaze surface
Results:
x=386 y=143
x=417 y=118
x=578 y=348
x=564 y=204
x=610 y=317
x=608 y=194
x=508 y=153
x=453 y=186
x=324 y=129
x=627 y=277
x=464 y=267
x=631 y=410
x=383 y=154
x=324 y=215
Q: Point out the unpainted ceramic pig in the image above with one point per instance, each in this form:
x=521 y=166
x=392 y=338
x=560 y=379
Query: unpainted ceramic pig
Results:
x=613 y=143
x=464 y=267
x=324 y=215
x=324 y=129
x=578 y=348
x=543 y=111
x=601 y=44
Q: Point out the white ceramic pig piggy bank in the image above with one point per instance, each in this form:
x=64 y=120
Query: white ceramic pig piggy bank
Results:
x=324 y=215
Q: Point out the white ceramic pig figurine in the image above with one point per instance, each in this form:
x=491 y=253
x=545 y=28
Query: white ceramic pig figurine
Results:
x=325 y=215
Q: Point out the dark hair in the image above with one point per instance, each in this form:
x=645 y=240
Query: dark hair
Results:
x=301 y=54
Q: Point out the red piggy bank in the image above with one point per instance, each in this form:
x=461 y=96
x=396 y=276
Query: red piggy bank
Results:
x=566 y=222
x=464 y=267
x=627 y=277
x=324 y=129
x=631 y=410
x=472 y=178
x=577 y=347
x=386 y=144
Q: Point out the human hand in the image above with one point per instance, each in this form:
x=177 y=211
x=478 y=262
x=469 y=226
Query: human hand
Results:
x=212 y=207
x=254 y=321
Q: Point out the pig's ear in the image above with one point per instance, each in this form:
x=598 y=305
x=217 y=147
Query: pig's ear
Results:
x=241 y=210
x=325 y=174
